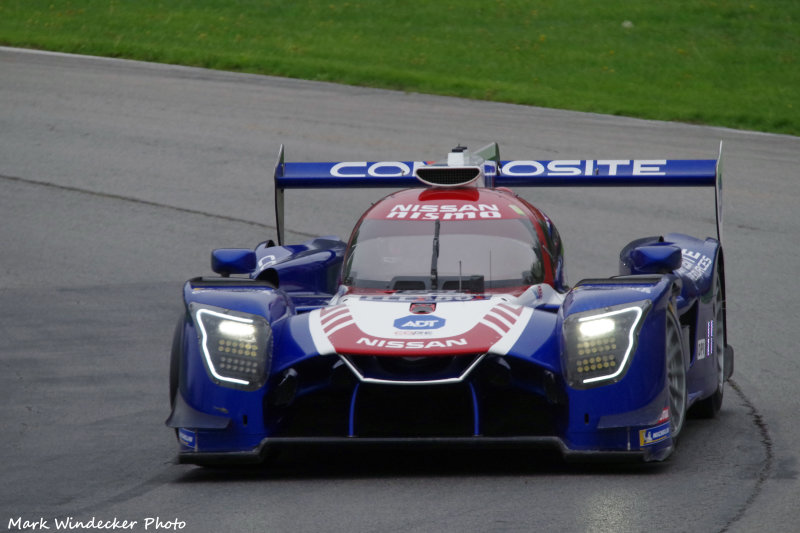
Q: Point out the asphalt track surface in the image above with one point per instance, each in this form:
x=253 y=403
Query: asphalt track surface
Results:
x=117 y=178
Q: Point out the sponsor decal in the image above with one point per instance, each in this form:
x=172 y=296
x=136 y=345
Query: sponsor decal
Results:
x=188 y=438
x=650 y=436
x=414 y=333
x=664 y=416
x=574 y=167
x=710 y=337
x=705 y=347
x=362 y=169
x=694 y=265
x=444 y=212
x=522 y=168
x=417 y=322
x=411 y=345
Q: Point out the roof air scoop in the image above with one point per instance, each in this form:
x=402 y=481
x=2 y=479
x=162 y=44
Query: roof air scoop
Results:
x=461 y=169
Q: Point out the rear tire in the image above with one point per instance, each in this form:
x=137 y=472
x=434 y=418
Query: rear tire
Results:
x=710 y=407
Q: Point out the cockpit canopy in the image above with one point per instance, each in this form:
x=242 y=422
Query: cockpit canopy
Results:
x=429 y=255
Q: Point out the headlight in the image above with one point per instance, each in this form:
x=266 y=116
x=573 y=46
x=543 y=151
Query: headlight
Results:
x=599 y=344
x=237 y=347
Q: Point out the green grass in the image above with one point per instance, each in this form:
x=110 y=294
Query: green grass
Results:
x=723 y=62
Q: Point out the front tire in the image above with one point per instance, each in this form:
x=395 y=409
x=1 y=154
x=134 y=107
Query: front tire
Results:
x=676 y=376
x=175 y=361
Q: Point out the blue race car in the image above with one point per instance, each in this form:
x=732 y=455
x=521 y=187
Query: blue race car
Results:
x=446 y=320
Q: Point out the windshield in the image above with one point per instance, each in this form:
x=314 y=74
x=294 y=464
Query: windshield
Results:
x=444 y=255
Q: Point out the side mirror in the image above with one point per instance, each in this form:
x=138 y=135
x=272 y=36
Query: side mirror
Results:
x=658 y=258
x=227 y=261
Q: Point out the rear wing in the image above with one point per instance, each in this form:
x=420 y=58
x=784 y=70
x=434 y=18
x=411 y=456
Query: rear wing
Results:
x=486 y=165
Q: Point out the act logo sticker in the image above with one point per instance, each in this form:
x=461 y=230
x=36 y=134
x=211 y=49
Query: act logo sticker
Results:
x=419 y=322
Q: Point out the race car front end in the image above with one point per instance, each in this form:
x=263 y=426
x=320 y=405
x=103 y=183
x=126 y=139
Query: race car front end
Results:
x=221 y=359
x=624 y=364
x=591 y=382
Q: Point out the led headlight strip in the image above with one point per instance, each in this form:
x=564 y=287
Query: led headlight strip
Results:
x=235 y=347
x=599 y=344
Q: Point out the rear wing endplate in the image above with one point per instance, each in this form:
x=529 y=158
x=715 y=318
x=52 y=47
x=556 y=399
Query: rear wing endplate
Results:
x=498 y=173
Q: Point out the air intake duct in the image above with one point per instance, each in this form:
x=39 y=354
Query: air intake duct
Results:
x=441 y=176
